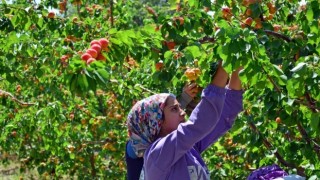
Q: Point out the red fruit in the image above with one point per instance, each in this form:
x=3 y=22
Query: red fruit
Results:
x=96 y=47
x=90 y=60
x=64 y=58
x=95 y=42
x=243 y=25
x=86 y=56
x=104 y=43
x=226 y=10
x=51 y=15
x=14 y=133
x=276 y=27
x=170 y=44
x=101 y=57
x=159 y=65
x=278 y=120
x=92 y=52
x=249 y=21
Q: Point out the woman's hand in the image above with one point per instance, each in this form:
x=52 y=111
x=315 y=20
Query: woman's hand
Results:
x=191 y=89
x=235 y=82
x=221 y=77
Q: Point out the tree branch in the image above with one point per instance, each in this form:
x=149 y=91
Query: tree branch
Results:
x=206 y=39
x=310 y=142
x=311 y=103
x=278 y=35
x=24 y=104
x=269 y=146
x=111 y=12
x=272 y=81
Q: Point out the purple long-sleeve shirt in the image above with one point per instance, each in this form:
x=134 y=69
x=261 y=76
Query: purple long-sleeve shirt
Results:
x=177 y=155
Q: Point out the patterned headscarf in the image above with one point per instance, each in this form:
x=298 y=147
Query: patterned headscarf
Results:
x=144 y=121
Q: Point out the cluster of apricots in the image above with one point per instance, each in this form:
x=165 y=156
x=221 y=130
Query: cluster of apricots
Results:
x=247 y=17
x=192 y=73
x=95 y=51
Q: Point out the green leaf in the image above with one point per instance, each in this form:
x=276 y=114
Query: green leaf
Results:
x=113 y=31
x=278 y=71
x=299 y=67
x=222 y=50
x=72 y=155
x=194 y=51
x=103 y=73
x=262 y=49
x=83 y=82
x=193 y=3
x=315 y=120
x=309 y=15
x=115 y=41
x=168 y=55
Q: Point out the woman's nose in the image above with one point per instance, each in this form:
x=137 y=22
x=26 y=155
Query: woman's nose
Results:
x=182 y=113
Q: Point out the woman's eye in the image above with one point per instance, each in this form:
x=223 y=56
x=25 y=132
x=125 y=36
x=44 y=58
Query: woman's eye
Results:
x=175 y=109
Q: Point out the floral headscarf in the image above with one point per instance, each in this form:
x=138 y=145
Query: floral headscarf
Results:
x=144 y=121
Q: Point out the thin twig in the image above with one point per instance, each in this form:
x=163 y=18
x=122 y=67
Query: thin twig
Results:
x=102 y=142
x=206 y=39
x=5 y=93
x=93 y=169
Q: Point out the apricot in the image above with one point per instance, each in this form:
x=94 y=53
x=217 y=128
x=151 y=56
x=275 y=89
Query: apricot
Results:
x=86 y=56
x=104 y=43
x=92 y=52
x=51 y=15
x=159 y=65
x=96 y=47
x=248 y=21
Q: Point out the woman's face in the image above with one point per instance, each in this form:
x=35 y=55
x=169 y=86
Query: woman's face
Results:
x=173 y=116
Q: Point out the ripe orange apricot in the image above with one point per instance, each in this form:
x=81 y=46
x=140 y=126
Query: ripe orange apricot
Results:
x=86 y=56
x=159 y=65
x=170 y=44
x=248 y=12
x=51 y=15
x=248 y=21
x=90 y=60
x=104 y=43
x=278 y=120
x=276 y=27
x=95 y=42
x=101 y=57
x=92 y=52
x=96 y=47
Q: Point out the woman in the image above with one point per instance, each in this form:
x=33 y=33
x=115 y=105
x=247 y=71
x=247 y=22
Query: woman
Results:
x=170 y=145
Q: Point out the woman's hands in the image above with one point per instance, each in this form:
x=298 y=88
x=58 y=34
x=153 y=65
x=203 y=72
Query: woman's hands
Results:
x=191 y=89
x=221 y=77
x=235 y=82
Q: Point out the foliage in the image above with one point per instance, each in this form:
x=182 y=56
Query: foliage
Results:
x=65 y=116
